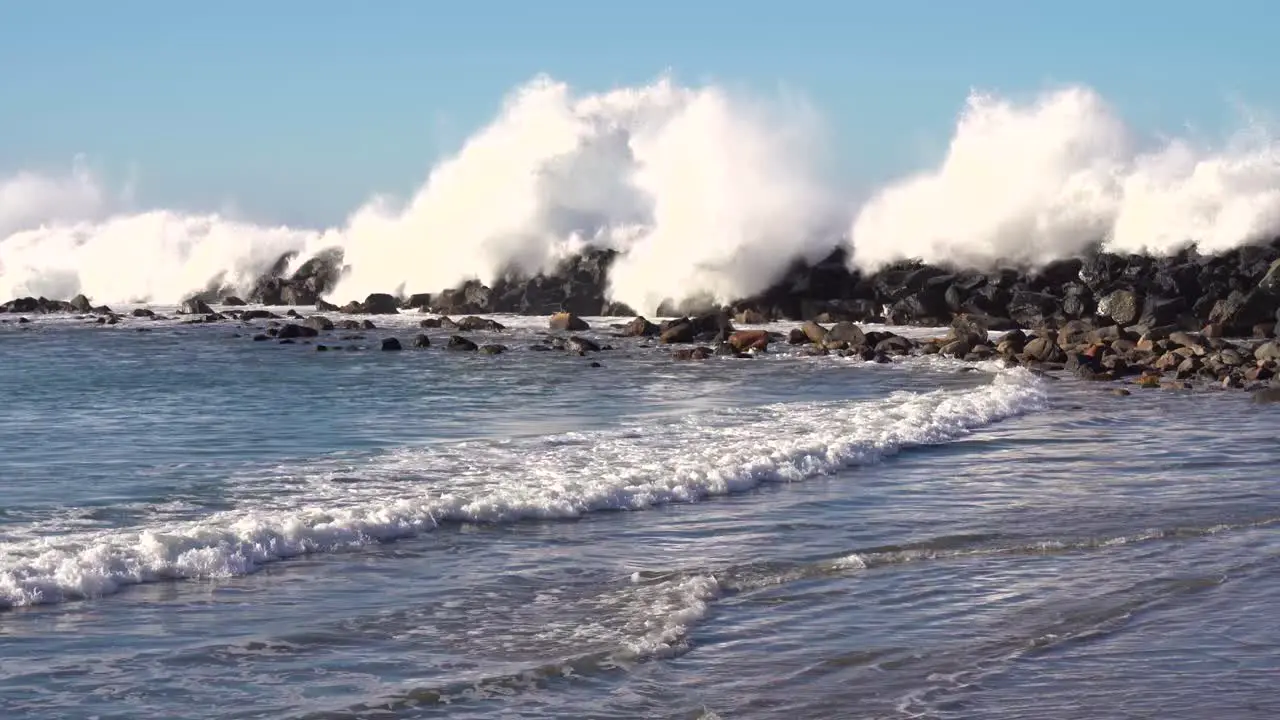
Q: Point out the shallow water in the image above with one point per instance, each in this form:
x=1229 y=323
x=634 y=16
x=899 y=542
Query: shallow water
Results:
x=197 y=525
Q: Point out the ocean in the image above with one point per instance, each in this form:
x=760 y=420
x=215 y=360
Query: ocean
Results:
x=197 y=525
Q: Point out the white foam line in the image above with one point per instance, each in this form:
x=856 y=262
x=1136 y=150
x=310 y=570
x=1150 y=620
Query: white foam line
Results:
x=565 y=476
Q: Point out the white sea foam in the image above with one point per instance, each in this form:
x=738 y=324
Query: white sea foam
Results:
x=704 y=191
x=564 y=476
x=1035 y=182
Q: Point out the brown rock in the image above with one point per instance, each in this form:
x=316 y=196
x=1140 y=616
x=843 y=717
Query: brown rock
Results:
x=815 y=332
x=639 y=327
x=744 y=340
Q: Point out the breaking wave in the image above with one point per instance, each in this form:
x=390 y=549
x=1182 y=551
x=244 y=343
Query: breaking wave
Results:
x=703 y=191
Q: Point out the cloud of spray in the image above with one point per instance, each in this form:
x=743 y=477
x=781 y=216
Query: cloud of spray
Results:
x=1028 y=184
x=29 y=200
x=703 y=193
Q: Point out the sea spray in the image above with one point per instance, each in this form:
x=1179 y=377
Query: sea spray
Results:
x=1037 y=182
x=705 y=193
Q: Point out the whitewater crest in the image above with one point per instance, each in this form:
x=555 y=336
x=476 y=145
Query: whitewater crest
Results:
x=698 y=189
x=700 y=192
x=1056 y=178
x=412 y=491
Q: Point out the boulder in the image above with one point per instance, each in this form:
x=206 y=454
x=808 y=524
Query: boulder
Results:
x=1031 y=309
x=319 y=322
x=744 y=340
x=81 y=304
x=568 y=322
x=678 y=331
x=844 y=335
x=581 y=345
x=391 y=344
x=195 y=306
x=421 y=341
x=457 y=342
x=640 y=327
x=293 y=330
x=816 y=333
x=380 y=304
x=969 y=329
x=1268 y=351
x=1122 y=306
x=471 y=323
x=417 y=301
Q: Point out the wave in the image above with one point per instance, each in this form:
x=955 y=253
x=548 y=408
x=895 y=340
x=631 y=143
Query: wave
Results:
x=1051 y=179
x=412 y=492
x=704 y=192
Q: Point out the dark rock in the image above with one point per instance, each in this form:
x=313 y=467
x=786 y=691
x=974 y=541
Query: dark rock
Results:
x=1074 y=333
x=844 y=335
x=968 y=329
x=80 y=303
x=194 y=306
x=457 y=342
x=678 y=331
x=472 y=323
x=797 y=336
x=319 y=322
x=1158 y=310
x=391 y=344
x=1031 y=309
x=248 y=315
x=1044 y=348
x=322 y=306
x=640 y=327
x=142 y=313
x=380 y=304
x=421 y=341
x=492 y=349
x=1271 y=280
x=581 y=345
x=368 y=325
x=1240 y=311
x=292 y=330
x=568 y=322
x=894 y=345
x=1077 y=301
x=417 y=301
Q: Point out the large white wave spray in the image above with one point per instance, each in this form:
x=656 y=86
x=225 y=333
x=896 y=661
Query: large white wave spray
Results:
x=1031 y=183
x=704 y=192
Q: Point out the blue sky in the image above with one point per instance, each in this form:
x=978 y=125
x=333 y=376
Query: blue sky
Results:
x=297 y=111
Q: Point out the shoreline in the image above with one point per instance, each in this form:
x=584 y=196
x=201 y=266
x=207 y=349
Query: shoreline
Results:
x=1123 y=359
